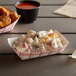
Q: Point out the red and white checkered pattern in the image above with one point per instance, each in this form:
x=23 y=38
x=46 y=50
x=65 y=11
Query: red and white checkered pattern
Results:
x=25 y=56
x=9 y=27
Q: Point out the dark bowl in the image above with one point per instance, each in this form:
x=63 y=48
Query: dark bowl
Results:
x=28 y=15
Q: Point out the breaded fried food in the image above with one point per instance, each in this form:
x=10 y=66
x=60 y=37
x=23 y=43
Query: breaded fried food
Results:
x=4 y=17
x=6 y=20
x=3 y=11
x=14 y=16
x=7 y=16
x=1 y=25
x=9 y=11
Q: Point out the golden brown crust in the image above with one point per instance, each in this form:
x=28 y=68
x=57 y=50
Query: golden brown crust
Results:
x=7 y=16
x=8 y=9
x=1 y=25
x=5 y=20
x=14 y=16
x=3 y=11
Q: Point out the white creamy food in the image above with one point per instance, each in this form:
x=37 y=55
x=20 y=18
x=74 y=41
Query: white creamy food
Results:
x=38 y=41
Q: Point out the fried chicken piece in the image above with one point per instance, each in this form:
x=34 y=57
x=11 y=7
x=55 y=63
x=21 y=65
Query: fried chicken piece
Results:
x=7 y=16
x=4 y=17
x=14 y=16
x=3 y=12
x=9 y=11
x=1 y=25
x=6 y=20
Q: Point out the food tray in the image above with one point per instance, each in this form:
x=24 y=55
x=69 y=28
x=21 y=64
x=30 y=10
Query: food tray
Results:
x=26 y=55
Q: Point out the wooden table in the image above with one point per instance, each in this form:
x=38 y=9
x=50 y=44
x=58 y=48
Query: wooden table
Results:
x=55 y=65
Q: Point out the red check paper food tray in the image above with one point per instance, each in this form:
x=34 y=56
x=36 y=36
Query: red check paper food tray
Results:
x=9 y=27
x=26 y=55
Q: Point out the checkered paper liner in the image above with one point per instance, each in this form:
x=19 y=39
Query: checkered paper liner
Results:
x=26 y=55
x=9 y=27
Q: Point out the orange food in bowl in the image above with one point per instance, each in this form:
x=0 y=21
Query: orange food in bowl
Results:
x=26 y=6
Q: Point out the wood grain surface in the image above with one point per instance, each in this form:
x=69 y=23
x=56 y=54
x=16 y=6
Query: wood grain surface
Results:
x=41 y=1
x=11 y=65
